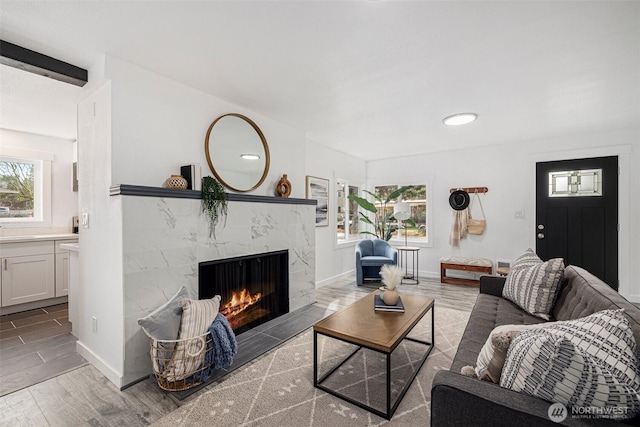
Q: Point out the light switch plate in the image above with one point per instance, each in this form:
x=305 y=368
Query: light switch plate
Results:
x=85 y=220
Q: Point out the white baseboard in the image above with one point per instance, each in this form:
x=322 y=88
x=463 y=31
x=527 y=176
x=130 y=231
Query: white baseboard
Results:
x=111 y=374
x=429 y=274
x=331 y=279
x=425 y=274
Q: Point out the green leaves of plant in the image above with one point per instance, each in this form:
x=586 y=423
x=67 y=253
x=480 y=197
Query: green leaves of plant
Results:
x=397 y=193
x=383 y=229
x=214 y=202
x=364 y=203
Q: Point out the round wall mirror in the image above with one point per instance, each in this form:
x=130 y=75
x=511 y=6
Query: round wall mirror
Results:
x=237 y=152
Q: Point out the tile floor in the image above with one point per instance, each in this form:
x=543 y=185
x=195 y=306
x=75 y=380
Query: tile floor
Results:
x=36 y=345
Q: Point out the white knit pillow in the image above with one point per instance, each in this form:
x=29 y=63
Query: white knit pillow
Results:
x=494 y=352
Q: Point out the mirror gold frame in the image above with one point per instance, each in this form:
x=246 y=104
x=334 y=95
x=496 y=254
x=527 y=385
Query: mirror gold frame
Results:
x=218 y=172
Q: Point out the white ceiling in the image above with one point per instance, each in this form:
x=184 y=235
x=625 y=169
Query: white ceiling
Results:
x=370 y=78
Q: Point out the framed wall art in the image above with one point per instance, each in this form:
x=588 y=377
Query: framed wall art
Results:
x=318 y=189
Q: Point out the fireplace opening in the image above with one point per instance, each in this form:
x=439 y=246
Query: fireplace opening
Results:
x=253 y=289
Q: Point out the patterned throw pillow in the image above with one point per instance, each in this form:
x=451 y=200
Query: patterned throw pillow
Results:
x=533 y=285
x=588 y=362
x=197 y=316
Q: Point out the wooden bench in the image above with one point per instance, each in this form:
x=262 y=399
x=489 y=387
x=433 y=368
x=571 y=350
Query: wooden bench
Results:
x=477 y=265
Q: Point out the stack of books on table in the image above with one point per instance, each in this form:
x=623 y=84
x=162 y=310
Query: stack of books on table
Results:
x=379 y=305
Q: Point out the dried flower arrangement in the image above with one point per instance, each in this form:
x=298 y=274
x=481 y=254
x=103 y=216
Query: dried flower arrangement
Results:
x=391 y=276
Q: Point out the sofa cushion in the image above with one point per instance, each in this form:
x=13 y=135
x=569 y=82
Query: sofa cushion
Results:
x=533 y=285
x=376 y=261
x=583 y=294
x=567 y=361
x=488 y=312
x=556 y=369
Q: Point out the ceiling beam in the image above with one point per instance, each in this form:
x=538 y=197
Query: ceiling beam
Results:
x=34 y=62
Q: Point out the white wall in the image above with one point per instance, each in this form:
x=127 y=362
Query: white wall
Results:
x=160 y=125
x=100 y=294
x=333 y=260
x=64 y=201
x=509 y=173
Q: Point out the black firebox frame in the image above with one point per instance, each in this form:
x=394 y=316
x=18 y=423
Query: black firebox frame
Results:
x=219 y=277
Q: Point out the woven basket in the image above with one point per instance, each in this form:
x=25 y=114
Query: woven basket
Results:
x=179 y=364
x=177 y=182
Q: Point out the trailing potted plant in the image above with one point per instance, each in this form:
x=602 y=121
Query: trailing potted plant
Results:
x=214 y=202
x=384 y=223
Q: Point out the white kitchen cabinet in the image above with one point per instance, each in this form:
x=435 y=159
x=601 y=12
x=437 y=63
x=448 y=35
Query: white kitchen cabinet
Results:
x=33 y=271
x=62 y=268
x=62 y=273
x=28 y=272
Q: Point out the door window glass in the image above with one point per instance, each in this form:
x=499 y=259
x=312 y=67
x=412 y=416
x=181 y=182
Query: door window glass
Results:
x=578 y=183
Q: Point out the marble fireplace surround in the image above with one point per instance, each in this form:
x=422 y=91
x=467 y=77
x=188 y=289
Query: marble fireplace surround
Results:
x=165 y=237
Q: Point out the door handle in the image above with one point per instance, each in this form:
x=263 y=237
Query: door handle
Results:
x=540 y=236
x=540 y=227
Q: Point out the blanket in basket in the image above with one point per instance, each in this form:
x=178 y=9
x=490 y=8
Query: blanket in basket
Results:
x=225 y=345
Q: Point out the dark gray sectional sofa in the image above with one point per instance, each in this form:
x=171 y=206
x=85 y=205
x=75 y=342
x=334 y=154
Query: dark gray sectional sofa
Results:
x=457 y=400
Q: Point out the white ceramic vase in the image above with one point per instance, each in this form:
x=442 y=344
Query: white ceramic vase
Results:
x=390 y=297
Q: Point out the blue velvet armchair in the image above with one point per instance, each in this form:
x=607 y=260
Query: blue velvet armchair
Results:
x=371 y=255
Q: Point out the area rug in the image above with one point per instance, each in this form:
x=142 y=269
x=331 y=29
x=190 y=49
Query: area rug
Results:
x=277 y=388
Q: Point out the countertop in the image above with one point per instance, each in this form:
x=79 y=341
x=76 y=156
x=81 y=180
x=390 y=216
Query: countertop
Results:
x=38 y=238
x=72 y=247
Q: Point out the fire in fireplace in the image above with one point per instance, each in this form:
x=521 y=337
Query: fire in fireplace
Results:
x=254 y=288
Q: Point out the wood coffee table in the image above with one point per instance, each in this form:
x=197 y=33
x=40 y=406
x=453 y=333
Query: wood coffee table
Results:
x=382 y=332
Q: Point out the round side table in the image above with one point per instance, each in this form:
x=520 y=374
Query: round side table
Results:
x=403 y=254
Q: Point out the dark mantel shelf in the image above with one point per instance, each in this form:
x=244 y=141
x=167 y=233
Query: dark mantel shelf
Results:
x=140 y=190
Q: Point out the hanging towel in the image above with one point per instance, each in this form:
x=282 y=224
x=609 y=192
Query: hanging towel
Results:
x=459 y=229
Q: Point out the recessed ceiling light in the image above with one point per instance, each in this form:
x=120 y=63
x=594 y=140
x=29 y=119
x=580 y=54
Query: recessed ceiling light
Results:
x=250 y=156
x=460 y=119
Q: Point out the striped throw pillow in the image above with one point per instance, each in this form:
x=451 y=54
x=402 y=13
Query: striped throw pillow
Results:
x=533 y=285
x=197 y=316
x=588 y=362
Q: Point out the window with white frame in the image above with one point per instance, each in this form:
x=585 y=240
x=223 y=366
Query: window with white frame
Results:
x=25 y=186
x=347 y=222
x=416 y=197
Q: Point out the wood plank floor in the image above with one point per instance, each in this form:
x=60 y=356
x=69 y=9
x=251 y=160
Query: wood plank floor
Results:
x=85 y=397
x=342 y=292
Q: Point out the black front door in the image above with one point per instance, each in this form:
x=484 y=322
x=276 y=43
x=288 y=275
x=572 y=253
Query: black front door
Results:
x=577 y=214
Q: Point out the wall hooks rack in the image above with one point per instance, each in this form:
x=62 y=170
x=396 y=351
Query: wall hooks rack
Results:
x=470 y=189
